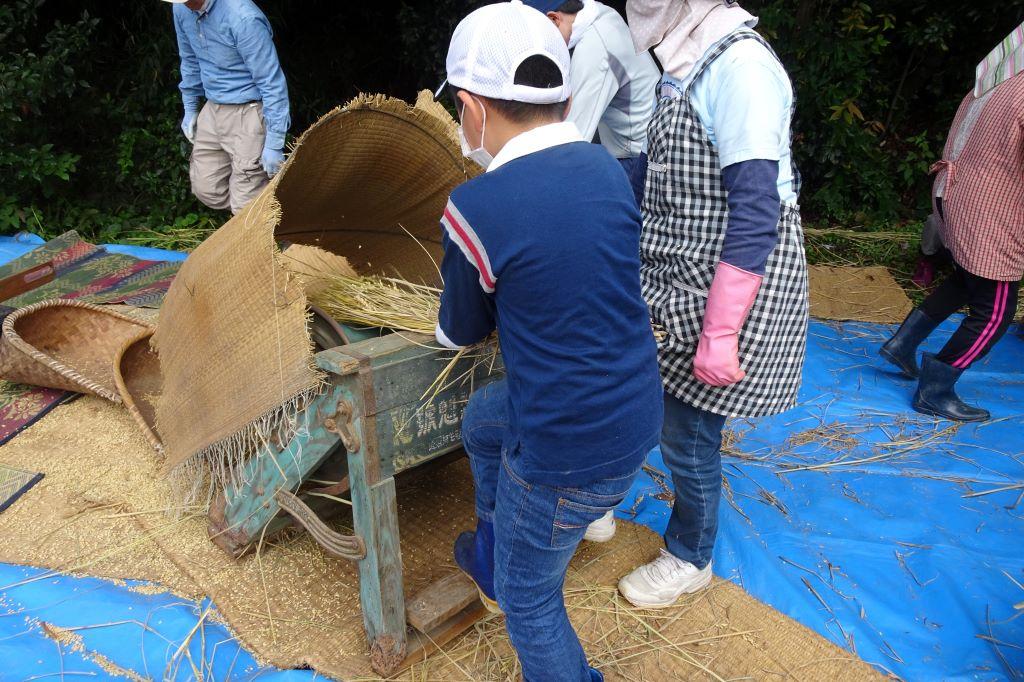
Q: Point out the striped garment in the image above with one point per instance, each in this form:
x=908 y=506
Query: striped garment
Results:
x=981 y=182
x=993 y=324
x=1002 y=63
x=991 y=308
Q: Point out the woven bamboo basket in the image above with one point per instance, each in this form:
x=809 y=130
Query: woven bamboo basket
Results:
x=137 y=375
x=68 y=345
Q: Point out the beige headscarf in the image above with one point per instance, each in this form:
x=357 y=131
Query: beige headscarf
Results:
x=682 y=30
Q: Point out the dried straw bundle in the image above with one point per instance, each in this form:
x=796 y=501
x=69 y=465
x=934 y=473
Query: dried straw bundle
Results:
x=380 y=302
x=398 y=304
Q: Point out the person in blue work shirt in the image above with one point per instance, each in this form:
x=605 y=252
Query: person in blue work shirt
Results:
x=613 y=87
x=228 y=58
x=723 y=265
x=543 y=247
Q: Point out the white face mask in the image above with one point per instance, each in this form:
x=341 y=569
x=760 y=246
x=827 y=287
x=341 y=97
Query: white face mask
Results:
x=480 y=155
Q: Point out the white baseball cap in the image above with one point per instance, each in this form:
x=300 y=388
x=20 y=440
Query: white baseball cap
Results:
x=490 y=44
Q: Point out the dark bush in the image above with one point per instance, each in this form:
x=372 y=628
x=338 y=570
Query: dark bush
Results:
x=89 y=108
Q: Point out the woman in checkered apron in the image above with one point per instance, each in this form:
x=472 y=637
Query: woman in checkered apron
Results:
x=979 y=199
x=722 y=260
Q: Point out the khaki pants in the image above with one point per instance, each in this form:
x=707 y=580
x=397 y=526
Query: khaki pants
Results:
x=225 y=170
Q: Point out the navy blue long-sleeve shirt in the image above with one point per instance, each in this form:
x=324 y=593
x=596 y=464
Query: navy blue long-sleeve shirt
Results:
x=545 y=248
x=754 y=210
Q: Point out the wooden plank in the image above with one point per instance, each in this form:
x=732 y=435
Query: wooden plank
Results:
x=375 y=517
x=402 y=369
x=238 y=517
x=405 y=435
x=410 y=430
x=440 y=601
x=392 y=347
x=419 y=431
x=421 y=645
x=26 y=280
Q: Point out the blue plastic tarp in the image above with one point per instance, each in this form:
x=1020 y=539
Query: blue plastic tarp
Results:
x=883 y=551
x=18 y=245
x=59 y=627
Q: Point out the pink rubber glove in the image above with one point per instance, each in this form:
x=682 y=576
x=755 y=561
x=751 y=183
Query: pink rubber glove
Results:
x=730 y=297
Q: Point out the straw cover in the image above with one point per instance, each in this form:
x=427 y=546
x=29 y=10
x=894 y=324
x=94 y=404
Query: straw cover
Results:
x=234 y=347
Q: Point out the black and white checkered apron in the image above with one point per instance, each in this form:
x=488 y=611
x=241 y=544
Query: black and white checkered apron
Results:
x=686 y=213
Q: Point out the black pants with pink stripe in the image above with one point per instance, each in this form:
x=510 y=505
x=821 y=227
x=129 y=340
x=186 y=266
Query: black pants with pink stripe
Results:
x=991 y=306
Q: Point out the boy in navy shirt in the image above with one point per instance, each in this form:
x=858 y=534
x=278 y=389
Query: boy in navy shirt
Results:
x=544 y=247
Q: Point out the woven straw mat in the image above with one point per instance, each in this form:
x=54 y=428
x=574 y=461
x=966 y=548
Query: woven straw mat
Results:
x=366 y=171
x=295 y=605
x=854 y=293
x=137 y=375
x=234 y=348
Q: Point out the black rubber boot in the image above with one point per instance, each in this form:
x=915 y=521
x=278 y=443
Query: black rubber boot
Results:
x=901 y=349
x=935 y=394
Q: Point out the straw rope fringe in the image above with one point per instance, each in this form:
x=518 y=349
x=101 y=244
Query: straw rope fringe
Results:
x=223 y=465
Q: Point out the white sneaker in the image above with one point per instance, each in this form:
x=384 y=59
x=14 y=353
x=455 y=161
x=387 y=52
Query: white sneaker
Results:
x=603 y=529
x=661 y=582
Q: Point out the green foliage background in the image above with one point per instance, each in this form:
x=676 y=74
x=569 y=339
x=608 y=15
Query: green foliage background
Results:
x=89 y=108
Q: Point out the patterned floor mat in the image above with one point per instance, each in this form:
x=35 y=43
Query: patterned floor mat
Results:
x=14 y=483
x=85 y=272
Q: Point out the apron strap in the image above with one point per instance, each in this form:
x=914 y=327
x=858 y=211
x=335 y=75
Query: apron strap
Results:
x=735 y=37
x=727 y=42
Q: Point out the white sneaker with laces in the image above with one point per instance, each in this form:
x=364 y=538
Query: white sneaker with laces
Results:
x=661 y=582
x=601 y=530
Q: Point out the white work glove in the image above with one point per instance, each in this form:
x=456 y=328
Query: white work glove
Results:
x=188 y=126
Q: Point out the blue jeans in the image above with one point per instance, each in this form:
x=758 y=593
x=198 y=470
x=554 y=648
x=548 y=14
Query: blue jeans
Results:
x=536 y=529
x=636 y=170
x=691 y=442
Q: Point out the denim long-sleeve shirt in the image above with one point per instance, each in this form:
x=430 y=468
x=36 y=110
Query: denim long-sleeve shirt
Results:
x=228 y=56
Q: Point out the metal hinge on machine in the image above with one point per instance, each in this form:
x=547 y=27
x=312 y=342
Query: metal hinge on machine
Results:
x=340 y=424
x=349 y=547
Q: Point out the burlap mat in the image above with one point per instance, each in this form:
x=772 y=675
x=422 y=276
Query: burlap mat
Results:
x=367 y=182
x=235 y=354
x=101 y=512
x=368 y=175
x=854 y=293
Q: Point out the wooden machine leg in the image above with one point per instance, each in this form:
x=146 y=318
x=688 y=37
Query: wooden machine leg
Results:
x=440 y=612
x=375 y=516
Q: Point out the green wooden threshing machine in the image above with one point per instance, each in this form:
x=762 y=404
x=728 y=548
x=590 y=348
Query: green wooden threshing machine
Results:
x=369 y=424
